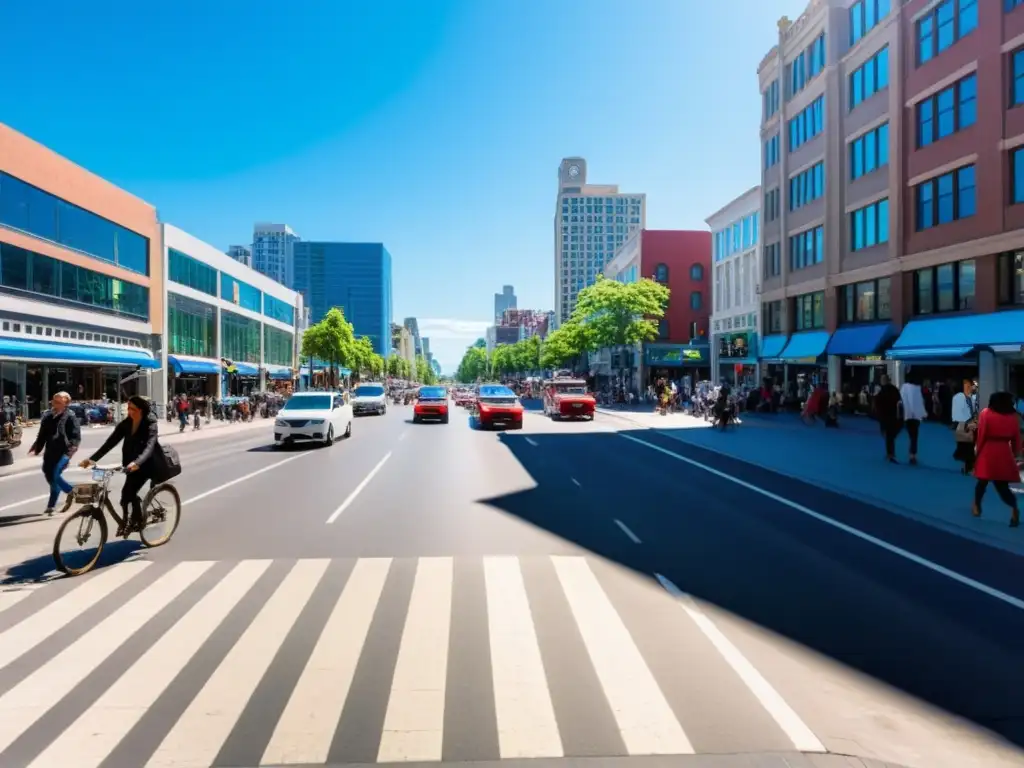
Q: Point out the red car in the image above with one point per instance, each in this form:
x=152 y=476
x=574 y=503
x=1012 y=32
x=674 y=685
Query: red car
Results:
x=566 y=398
x=431 y=403
x=498 y=406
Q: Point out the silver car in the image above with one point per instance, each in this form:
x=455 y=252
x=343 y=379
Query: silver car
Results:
x=369 y=398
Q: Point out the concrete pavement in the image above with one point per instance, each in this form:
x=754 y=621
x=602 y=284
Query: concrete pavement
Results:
x=432 y=593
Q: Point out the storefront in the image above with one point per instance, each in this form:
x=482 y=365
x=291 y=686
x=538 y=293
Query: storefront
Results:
x=280 y=378
x=856 y=355
x=772 y=365
x=33 y=371
x=804 y=358
x=737 y=358
x=193 y=376
x=242 y=379
x=673 y=361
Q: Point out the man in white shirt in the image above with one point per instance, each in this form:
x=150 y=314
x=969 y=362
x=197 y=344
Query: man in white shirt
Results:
x=913 y=413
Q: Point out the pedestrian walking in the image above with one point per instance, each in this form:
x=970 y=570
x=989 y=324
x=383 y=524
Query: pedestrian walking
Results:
x=58 y=438
x=998 y=447
x=965 y=425
x=914 y=412
x=887 y=411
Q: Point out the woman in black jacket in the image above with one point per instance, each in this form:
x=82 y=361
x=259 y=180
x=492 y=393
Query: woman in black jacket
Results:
x=139 y=432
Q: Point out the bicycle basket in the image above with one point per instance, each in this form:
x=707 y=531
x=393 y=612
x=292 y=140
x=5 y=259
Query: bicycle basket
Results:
x=85 y=493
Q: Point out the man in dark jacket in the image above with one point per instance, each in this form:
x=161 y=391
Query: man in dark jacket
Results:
x=58 y=439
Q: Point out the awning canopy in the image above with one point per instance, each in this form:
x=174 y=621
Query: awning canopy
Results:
x=987 y=330
x=278 y=372
x=26 y=350
x=928 y=353
x=805 y=345
x=185 y=364
x=243 y=369
x=860 y=339
x=772 y=346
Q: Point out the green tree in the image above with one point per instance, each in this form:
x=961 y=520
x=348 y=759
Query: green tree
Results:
x=424 y=373
x=393 y=365
x=473 y=366
x=480 y=343
x=332 y=341
x=618 y=314
x=563 y=345
x=503 y=360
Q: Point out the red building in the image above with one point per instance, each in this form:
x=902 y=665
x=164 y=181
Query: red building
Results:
x=680 y=260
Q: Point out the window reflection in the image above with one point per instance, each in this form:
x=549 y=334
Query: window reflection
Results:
x=240 y=338
x=277 y=346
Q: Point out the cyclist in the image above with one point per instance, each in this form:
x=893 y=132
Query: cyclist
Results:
x=139 y=432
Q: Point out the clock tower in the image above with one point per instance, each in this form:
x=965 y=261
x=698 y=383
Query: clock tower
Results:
x=572 y=172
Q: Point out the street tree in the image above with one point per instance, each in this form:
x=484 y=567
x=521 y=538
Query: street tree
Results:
x=474 y=365
x=613 y=314
x=563 y=345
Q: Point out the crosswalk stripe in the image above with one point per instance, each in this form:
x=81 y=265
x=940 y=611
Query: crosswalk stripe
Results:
x=307 y=726
x=88 y=741
x=34 y=696
x=27 y=634
x=645 y=718
x=525 y=714
x=414 y=722
x=10 y=598
x=201 y=731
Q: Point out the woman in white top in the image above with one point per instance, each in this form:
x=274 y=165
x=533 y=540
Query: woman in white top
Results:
x=964 y=413
x=913 y=413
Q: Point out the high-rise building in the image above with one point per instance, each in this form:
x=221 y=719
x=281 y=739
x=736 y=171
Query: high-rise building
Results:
x=273 y=252
x=241 y=253
x=427 y=354
x=414 y=329
x=735 y=303
x=591 y=222
x=353 y=276
x=504 y=300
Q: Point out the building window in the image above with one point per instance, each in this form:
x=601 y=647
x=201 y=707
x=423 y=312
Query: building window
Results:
x=771 y=204
x=59 y=282
x=244 y=295
x=869 y=152
x=772 y=260
x=240 y=338
x=1017 y=176
x=945 y=288
x=48 y=217
x=946 y=198
x=278 y=346
x=807 y=124
x=864 y=16
x=869 y=225
x=809 y=311
x=866 y=302
x=869 y=78
x=807 y=249
x=697 y=272
x=663 y=328
x=806 y=66
x=771 y=99
x=661 y=273
x=771 y=312
x=1011 y=4
x=949 y=21
x=771 y=151
x=806 y=186
x=948 y=111
x=696 y=300
x=1011 y=277
x=279 y=310
x=191 y=327
x=185 y=270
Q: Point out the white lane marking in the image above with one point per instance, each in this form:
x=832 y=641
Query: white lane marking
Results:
x=93 y=736
x=625 y=529
x=402 y=436
x=967 y=581
x=645 y=719
x=41 y=497
x=33 y=697
x=522 y=701
x=358 y=489
x=11 y=597
x=306 y=727
x=414 y=723
x=27 y=634
x=576 y=482
x=243 y=478
x=21 y=473
x=789 y=721
x=531 y=441
x=202 y=729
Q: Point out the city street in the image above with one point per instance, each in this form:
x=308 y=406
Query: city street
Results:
x=433 y=593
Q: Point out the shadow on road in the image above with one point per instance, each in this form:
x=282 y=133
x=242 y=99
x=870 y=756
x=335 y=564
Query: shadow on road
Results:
x=25 y=519
x=40 y=569
x=797 y=576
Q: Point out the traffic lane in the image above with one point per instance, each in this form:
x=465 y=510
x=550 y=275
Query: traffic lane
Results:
x=794 y=582
x=430 y=499
x=280 y=506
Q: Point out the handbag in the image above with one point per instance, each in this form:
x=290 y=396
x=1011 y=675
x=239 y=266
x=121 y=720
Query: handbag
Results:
x=964 y=433
x=167 y=463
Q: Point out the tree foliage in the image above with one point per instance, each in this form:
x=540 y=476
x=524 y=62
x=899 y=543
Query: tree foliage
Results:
x=617 y=314
x=333 y=341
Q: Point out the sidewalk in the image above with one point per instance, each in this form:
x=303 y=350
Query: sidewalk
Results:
x=850 y=461
x=93 y=437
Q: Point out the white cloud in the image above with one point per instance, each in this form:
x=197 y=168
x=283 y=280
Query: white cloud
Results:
x=451 y=328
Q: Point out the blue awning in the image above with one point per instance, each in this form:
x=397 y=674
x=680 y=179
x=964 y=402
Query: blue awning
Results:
x=772 y=346
x=25 y=350
x=278 y=372
x=184 y=364
x=928 y=353
x=807 y=344
x=244 y=369
x=993 y=328
x=860 y=339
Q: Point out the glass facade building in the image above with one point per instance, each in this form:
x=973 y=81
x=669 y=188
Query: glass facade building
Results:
x=240 y=338
x=355 y=277
x=191 y=327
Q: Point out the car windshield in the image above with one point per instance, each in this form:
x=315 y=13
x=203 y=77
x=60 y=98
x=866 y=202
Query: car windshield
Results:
x=497 y=395
x=432 y=393
x=309 y=403
x=570 y=389
x=369 y=391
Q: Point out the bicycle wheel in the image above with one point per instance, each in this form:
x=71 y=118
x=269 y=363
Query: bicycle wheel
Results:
x=161 y=510
x=86 y=526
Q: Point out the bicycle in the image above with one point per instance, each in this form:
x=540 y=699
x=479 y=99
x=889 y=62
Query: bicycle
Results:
x=94 y=496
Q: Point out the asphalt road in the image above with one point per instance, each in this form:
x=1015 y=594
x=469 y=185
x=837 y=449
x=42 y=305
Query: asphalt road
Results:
x=432 y=593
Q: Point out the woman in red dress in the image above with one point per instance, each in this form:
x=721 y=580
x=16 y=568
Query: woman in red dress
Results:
x=998 y=445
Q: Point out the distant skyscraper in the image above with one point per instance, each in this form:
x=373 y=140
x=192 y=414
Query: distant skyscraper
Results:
x=273 y=252
x=355 y=277
x=414 y=329
x=591 y=222
x=504 y=300
x=241 y=254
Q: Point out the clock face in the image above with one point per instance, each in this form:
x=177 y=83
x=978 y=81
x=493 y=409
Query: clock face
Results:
x=574 y=171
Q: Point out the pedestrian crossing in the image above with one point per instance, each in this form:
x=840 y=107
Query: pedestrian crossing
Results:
x=317 y=661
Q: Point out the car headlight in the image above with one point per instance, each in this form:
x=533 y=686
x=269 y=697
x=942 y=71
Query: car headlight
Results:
x=280 y=423
x=316 y=422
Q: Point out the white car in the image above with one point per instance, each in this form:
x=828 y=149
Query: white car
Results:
x=313 y=416
x=369 y=398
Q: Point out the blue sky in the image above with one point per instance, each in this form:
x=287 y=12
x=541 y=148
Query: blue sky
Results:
x=435 y=127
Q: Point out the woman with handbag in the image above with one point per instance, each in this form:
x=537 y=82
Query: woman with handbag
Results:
x=998 y=446
x=965 y=421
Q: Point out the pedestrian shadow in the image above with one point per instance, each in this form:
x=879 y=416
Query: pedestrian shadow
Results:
x=41 y=569
x=28 y=517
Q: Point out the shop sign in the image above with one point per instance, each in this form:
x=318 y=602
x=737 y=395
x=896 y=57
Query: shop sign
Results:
x=865 y=360
x=735 y=345
x=674 y=356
